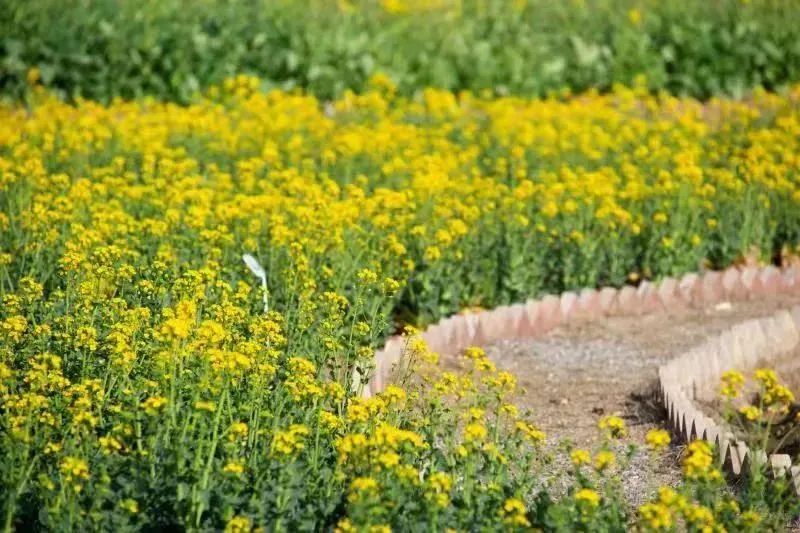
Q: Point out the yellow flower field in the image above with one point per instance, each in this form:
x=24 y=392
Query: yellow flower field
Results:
x=143 y=383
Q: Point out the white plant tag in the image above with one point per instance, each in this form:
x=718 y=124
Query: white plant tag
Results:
x=258 y=271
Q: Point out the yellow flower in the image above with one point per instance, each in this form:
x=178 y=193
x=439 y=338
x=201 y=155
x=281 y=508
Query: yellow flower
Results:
x=289 y=442
x=239 y=524
x=667 y=496
x=394 y=395
x=587 y=499
x=233 y=467
x=510 y=409
x=154 y=405
x=237 y=431
x=604 y=459
x=613 y=426
x=201 y=405
x=699 y=516
x=109 y=444
x=362 y=487
x=766 y=377
x=130 y=505
x=732 y=383
x=432 y=254
x=750 y=412
x=513 y=513
x=698 y=462
x=656 y=516
x=439 y=485
x=33 y=76
x=389 y=459
x=474 y=432
x=533 y=434
x=345 y=526
x=330 y=421
x=778 y=396
x=75 y=471
x=580 y=457
x=657 y=439
x=475 y=353
x=750 y=518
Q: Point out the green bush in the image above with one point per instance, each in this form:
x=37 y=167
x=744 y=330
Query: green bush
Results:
x=102 y=49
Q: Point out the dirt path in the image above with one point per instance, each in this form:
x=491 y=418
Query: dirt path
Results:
x=576 y=374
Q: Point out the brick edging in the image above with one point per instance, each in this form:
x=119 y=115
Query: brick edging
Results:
x=679 y=380
x=700 y=369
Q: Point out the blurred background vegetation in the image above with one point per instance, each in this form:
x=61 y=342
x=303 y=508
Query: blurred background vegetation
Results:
x=170 y=49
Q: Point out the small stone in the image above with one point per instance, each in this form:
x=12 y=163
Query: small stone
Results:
x=723 y=307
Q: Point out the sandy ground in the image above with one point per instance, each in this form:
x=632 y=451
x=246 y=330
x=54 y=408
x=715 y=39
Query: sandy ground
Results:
x=576 y=374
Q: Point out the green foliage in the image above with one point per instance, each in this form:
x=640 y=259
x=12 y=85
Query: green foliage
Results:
x=101 y=49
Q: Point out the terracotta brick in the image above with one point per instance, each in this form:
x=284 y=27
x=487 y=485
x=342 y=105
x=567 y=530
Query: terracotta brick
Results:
x=628 y=300
x=675 y=417
x=649 y=299
x=738 y=350
x=670 y=295
x=394 y=347
x=779 y=464
x=529 y=326
x=472 y=320
x=743 y=353
x=795 y=311
x=752 y=281
x=376 y=382
x=506 y=324
x=746 y=458
x=697 y=429
x=702 y=373
x=710 y=434
x=687 y=365
x=732 y=462
x=712 y=358
x=790 y=283
x=721 y=443
x=780 y=332
x=514 y=315
x=462 y=334
x=790 y=336
x=549 y=313
x=732 y=284
x=667 y=373
x=753 y=341
x=608 y=300
x=486 y=328
x=671 y=392
x=433 y=337
x=795 y=474
x=446 y=331
x=770 y=279
x=711 y=288
x=589 y=305
x=569 y=305
x=689 y=414
x=689 y=289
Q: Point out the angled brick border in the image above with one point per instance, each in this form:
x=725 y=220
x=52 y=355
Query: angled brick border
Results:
x=682 y=380
x=534 y=318
x=696 y=372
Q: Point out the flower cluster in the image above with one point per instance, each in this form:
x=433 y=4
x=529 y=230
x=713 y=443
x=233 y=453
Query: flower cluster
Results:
x=147 y=379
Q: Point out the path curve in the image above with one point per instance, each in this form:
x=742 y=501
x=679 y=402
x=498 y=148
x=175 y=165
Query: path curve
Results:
x=582 y=355
x=576 y=374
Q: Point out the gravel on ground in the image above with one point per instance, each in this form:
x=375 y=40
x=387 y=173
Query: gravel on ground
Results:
x=576 y=374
